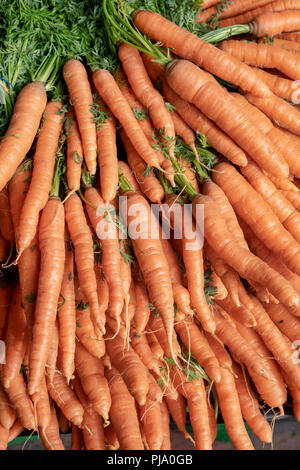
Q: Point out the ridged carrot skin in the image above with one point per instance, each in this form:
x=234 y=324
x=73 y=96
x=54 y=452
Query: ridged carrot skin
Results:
x=22 y=129
x=43 y=167
x=8 y=414
x=51 y=234
x=78 y=84
x=74 y=152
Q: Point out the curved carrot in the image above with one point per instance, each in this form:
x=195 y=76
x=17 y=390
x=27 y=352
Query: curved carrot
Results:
x=74 y=151
x=79 y=88
x=43 y=168
x=123 y=407
x=232 y=9
x=190 y=47
x=177 y=409
x=142 y=311
x=20 y=400
x=110 y=93
x=50 y=436
x=151 y=422
x=42 y=405
x=91 y=374
x=8 y=414
x=82 y=239
x=18 y=139
x=51 y=233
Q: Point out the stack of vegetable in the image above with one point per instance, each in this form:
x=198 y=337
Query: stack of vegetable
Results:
x=112 y=334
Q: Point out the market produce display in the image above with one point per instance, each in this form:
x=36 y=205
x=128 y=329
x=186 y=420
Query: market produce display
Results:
x=150 y=225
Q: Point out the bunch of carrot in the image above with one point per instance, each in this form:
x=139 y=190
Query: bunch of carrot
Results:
x=110 y=334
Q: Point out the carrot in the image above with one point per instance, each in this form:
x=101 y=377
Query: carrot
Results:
x=151 y=260
x=82 y=240
x=195 y=118
x=4 y=435
x=65 y=398
x=91 y=373
x=219 y=350
x=93 y=432
x=195 y=342
x=142 y=348
x=76 y=438
x=42 y=405
x=53 y=352
x=20 y=400
x=51 y=243
x=282 y=208
x=272 y=23
x=198 y=413
x=110 y=250
x=102 y=291
x=272 y=390
x=187 y=386
x=184 y=131
x=166 y=445
x=150 y=417
x=67 y=315
x=243 y=261
x=74 y=151
x=232 y=9
x=177 y=409
x=8 y=414
x=109 y=91
x=6 y=226
x=50 y=436
x=123 y=407
x=5 y=299
x=130 y=366
x=15 y=339
x=43 y=168
x=18 y=139
x=154 y=344
x=29 y=262
x=250 y=407
x=155 y=392
x=148 y=183
x=146 y=93
x=77 y=81
x=252 y=14
x=192 y=254
x=287 y=323
x=190 y=47
x=237 y=345
x=110 y=438
x=288 y=45
x=142 y=311
x=220 y=289
x=295 y=394
x=62 y=421
x=156 y=325
x=251 y=212
x=84 y=327
x=241 y=313
x=127 y=173
x=281 y=139
x=107 y=156
x=261 y=149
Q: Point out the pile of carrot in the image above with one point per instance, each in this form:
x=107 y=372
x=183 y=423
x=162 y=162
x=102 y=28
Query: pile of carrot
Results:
x=110 y=335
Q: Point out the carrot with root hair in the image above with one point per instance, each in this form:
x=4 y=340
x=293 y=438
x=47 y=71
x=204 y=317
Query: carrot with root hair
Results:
x=177 y=409
x=50 y=436
x=42 y=405
x=20 y=400
x=198 y=413
x=151 y=422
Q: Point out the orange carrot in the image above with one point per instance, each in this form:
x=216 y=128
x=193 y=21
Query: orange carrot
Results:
x=93 y=432
x=123 y=406
x=130 y=366
x=288 y=324
x=4 y=435
x=6 y=226
x=166 y=445
x=62 y=421
x=77 y=81
x=5 y=299
x=107 y=156
x=16 y=429
x=241 y=313
x=91 y=373
x=232 y=9
x=42 y=405
x=15 y=339
x=198 y=412
x=151 y=422
x=177 y=409
x=272 y=23
x=142 y=311
x=127 y=173
x=219 y=350
x=82 y=240
x=51 y=233
x=250 y=407
x=43 y=168
x=65 y=398
x=110 y=250
x=280 y=86
x=109 y=91
x=74 y=151
x=50 y=436
x=20 y=400
x=76 y=438
x=189 y=46
x=53 y=352
x=18 y=139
